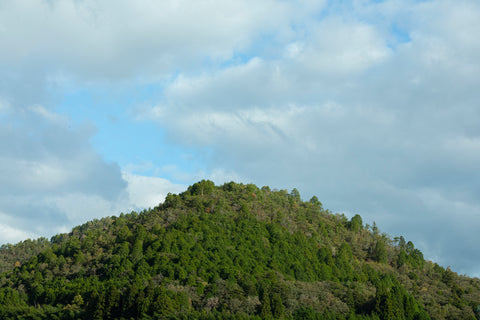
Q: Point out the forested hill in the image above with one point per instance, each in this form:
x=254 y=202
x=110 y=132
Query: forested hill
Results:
x=229 y=252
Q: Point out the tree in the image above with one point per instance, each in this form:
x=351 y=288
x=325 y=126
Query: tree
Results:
x=278 y=309
x=401 y=243
x=402 y=258
x=410 y=247
x=375 y=229
x=295 y=194
x=77 y=300
x=266 y=310
x=380 y=252
x=172 y=201
x=356 y=223
x=96 y=305
x=137 y=251
x=316 y=203
x=201 y=188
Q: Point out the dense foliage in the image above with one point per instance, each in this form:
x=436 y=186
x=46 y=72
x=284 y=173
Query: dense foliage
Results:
x=14 y=255
x=229 y=252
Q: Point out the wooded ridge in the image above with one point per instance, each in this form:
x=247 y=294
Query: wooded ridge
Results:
x=234 y=251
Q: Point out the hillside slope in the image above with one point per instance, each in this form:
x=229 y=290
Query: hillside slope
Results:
x=232 y=251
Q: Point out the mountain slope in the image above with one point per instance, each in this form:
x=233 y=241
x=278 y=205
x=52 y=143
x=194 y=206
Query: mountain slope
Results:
x=233 y=251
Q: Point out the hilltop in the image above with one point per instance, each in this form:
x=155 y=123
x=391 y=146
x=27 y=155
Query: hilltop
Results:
x=232 y=251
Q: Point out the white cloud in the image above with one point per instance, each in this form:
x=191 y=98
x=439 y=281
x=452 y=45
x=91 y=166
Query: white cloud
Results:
x=148 y=192
x=9 y=233
x=337 y=48
x=89 y=38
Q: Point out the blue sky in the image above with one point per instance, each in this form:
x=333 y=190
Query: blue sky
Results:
x=372 y=106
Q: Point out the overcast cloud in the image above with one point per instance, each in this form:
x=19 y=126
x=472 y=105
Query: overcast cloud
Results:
x=370 y=105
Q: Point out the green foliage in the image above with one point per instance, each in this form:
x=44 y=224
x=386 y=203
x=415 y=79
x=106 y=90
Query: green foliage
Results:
x=15 y=255
x=230 y=252
x=356 y=223
x=204 y=187
x=381 y=252
x=392 y=301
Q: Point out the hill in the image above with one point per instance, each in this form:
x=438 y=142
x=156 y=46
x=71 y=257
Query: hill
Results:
x=229 y=252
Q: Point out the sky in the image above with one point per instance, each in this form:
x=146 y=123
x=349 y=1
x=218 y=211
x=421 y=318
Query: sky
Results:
x=372 y=106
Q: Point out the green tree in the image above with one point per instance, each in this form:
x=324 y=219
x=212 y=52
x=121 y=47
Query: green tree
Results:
x=381 y=252
x=401 y=243
x=295 y=194
x=266 y=309
x=278 y=309
x=402 y=258
x=356 y=223
x=202 y=188
x=137 y=251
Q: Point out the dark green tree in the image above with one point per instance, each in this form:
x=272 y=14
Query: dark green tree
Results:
x=356 y=223
x=381 y=252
